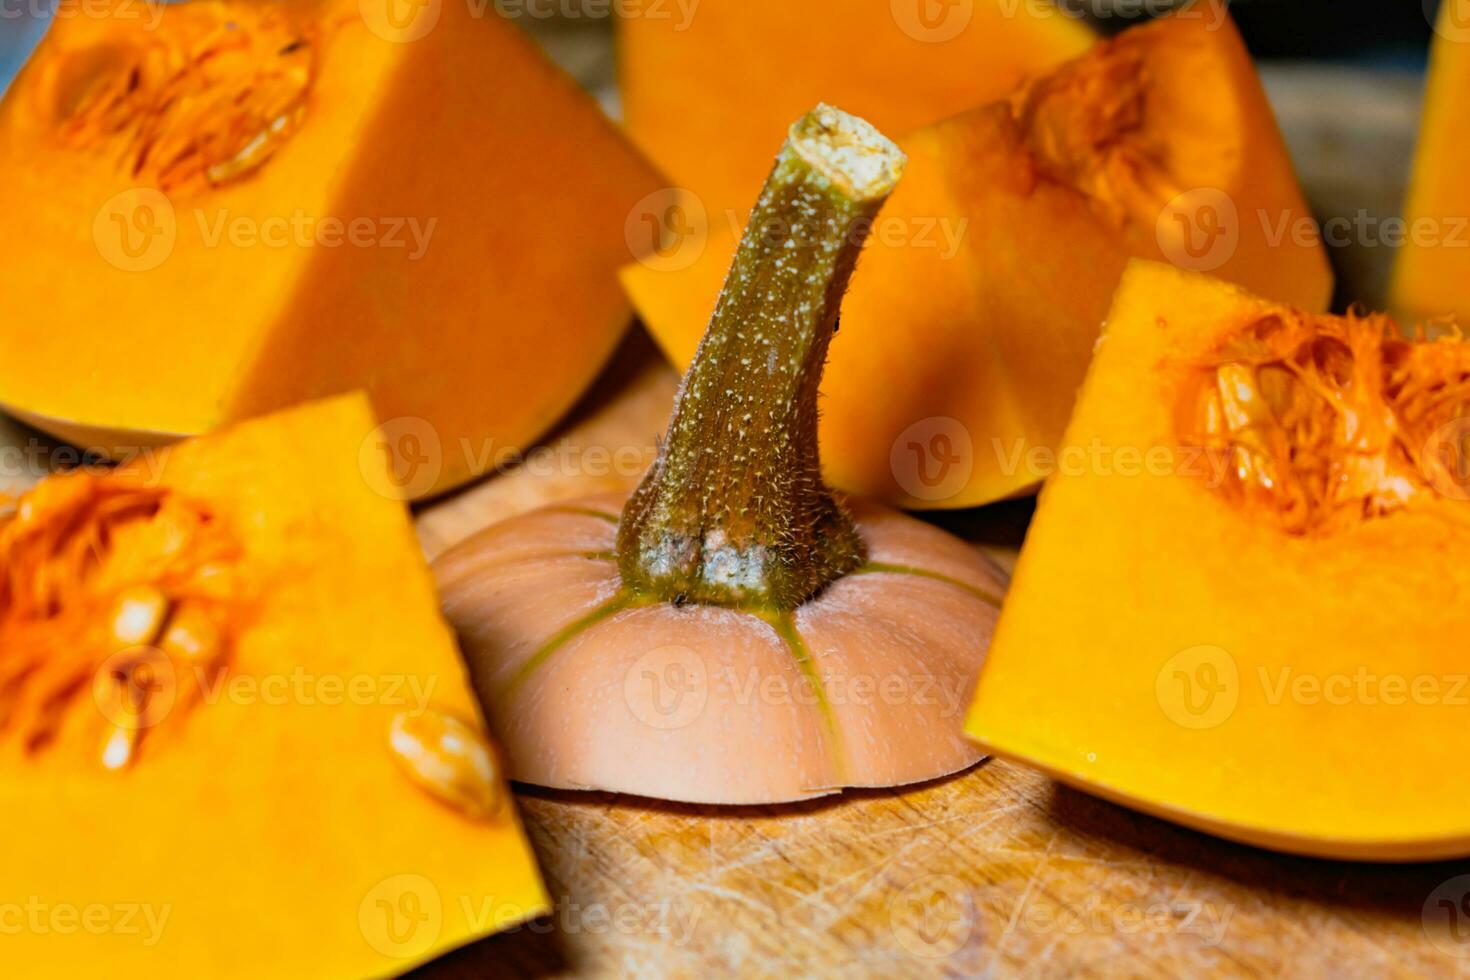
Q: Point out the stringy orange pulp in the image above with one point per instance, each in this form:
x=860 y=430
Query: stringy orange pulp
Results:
x=206 y=98
x=1327 y=420
x=1086 y=126
x=81 y=555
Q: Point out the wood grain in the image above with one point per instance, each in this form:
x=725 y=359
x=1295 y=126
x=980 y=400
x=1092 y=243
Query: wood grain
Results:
x=994 y=872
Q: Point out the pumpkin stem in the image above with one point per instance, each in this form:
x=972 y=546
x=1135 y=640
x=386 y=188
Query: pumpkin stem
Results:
x=734 y=512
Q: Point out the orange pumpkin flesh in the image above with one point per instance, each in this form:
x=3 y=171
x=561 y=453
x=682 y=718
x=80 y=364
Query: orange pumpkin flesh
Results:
x=1432 y=265
x=971 y=327
x=738 y=635
x=290 y=203
x=222 y=692
x=675 y=74
x=1280 y=660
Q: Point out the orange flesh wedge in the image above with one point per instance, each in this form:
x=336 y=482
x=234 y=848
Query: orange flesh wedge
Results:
x=1239 y=605
x=283 y=774
x=1431 y=273
x=247 y=205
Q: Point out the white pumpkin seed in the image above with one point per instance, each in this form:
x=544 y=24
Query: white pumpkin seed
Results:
x=450 y=760
x=138 y=615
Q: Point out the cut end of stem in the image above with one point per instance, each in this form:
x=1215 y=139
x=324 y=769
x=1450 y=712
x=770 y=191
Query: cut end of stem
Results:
x=861 y=162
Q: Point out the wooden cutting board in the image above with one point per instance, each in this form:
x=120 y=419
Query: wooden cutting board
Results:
x=995 y=871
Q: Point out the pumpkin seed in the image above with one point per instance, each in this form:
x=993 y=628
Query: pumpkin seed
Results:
x=450 y=760
x=191 y=636
x=119 y=746
x=138 y=615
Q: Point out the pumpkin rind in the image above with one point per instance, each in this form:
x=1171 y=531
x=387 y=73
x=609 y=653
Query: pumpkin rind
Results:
x=1167 y=647
x=276 y=801
x=589 y=687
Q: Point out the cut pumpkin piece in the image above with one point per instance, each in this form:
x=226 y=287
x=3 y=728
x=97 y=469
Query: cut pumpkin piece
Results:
x=1240 y=605
x=228 y=698
x=714 y=138
x=988 y=274
x=246 y=205
x=1431 y=275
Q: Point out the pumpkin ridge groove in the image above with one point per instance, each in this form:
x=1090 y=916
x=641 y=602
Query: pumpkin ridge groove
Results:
x=888 y=568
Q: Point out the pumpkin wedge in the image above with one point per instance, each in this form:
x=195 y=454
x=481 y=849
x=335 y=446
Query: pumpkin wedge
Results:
x=676 y=62
x=1240 y=605
x=1431 y=275
x=981 y=294
x=231 y=207
x=236 y=732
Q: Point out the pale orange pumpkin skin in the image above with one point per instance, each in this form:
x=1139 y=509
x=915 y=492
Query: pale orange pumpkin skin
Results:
x=412 y=230
x=733 y=632
x=706 y=704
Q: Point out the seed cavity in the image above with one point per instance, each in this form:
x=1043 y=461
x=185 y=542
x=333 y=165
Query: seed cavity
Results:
x=1319 y=422
x=206 y=98
x=449 y=760
x=118 y=596
x=1086 y=126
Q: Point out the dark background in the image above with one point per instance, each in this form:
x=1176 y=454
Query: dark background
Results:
x=1387 y=33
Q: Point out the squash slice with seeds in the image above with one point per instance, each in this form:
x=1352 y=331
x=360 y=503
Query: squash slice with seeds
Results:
x=229 y=207
x=229 y=706
x=1241 y=603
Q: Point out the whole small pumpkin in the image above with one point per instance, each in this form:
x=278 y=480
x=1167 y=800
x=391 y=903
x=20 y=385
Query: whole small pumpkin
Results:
x=733 y=632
